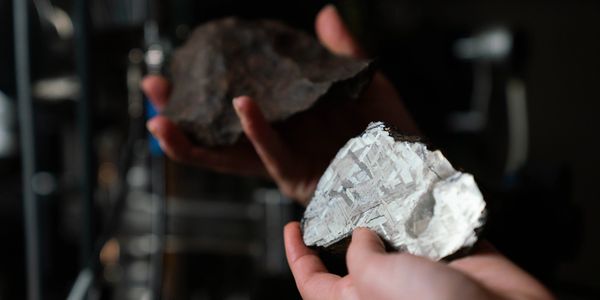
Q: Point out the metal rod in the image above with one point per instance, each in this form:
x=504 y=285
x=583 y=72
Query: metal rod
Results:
x=82 y=285
x=27 y=132
x=84 y=121
x=159 y=224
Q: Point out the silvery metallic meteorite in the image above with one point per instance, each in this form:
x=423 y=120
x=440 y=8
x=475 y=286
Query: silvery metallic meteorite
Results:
x=411 y=196
x=286 y=71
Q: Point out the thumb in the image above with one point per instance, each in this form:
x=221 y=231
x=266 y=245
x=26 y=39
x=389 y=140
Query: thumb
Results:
x=334 y=35
x=365 y=248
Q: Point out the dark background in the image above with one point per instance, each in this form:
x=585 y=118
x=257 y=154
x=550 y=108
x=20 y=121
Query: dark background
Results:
x=542 y=213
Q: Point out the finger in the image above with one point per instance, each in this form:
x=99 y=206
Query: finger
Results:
x=157 y=88
x=312 y=278
x=481 y=254
x=486 y=263
x=365 y=248
x=302 y=260
x=269 y=147
x=173 y=142
x=334 y=35
x=178 y=147
x=412 y=276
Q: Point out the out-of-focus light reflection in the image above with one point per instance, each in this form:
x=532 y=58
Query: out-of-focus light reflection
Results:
x=493 y=44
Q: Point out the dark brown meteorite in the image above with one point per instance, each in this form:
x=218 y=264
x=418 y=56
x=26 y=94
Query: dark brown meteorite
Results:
x=284 y=70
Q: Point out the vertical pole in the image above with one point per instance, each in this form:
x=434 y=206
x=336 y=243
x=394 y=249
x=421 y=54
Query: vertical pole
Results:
x=84 y=120
x=27 y=132
x=159 y=224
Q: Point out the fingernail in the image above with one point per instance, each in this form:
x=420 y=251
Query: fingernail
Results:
x=144 y=84
x=237 y=104
x=359 y=229
x=151 y=126
x=330 y=6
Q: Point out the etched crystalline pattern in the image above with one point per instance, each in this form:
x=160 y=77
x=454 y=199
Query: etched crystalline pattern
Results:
x=411 y=196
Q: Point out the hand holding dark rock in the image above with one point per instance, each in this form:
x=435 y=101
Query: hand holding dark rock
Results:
x=294 y=153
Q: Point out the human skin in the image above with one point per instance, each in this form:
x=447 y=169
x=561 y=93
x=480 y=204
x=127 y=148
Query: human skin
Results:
x=374 y=274
x=296 y=153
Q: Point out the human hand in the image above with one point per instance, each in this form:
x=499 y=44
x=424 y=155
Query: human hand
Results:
x=296 y=153
x=375 y=274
